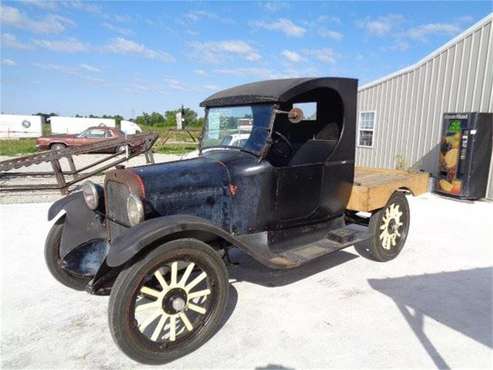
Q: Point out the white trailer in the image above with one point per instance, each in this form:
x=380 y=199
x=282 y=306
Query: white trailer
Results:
x=19 y=126
x=130 y=127
x=75 y=125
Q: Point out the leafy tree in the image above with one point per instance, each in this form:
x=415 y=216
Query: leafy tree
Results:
x=169 y=118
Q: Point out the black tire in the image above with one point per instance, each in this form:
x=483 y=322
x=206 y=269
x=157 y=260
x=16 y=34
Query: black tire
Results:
x=127 y=332
x=380 y=247
x=58 y=146
x=54 y=262
x=121 y=149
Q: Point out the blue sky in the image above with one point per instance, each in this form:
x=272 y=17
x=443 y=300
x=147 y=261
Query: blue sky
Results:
x=124 y=57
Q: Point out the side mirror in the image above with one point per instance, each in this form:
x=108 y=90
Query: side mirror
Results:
x=295 y=115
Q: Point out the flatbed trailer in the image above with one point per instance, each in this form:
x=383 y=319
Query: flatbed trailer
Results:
x=373 y=187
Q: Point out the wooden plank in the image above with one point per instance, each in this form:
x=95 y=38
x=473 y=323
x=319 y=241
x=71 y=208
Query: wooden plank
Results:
x=373 y=187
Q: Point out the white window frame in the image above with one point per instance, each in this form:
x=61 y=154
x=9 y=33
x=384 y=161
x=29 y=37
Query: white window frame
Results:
x=367 y=129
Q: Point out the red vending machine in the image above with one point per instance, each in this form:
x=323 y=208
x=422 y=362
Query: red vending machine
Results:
x=465 y=154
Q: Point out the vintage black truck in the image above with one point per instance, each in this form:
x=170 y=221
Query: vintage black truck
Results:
x=156 y=237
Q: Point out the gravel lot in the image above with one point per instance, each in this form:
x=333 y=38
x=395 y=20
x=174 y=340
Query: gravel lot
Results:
x=431 y=307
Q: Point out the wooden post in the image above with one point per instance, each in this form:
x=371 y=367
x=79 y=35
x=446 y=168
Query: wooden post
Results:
x=71 y=164
x=55 y=164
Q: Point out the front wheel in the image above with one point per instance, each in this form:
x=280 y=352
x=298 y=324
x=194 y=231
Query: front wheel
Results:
x=170 y=302
x=388 y=228
x=54 y=261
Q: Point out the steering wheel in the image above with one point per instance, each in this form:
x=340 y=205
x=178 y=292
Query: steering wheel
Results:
x=281 y=147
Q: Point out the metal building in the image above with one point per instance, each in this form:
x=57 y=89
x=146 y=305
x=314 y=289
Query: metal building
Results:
x=400 y=115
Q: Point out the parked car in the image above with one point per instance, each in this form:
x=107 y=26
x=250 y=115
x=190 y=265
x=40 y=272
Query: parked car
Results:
x=157 y=237
x=232 y=140
x=88 y=136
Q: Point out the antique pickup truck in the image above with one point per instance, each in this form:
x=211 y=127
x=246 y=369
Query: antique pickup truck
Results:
x=156 y=237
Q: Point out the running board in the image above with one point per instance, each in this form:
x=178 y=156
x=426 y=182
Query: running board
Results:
x=327 y=243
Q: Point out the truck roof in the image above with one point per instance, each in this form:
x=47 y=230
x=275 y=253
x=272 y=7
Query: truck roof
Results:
x=274 y=91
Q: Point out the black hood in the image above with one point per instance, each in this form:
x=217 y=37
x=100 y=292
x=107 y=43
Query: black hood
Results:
x=198 y=186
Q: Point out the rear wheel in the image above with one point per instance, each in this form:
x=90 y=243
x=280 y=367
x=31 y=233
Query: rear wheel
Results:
x=121 y=148
x=54 y=261
x=388 y=227
x=58 y=146
x=169 y=303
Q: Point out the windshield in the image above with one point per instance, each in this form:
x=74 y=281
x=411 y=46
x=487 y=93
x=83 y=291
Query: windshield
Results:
x=244 y=127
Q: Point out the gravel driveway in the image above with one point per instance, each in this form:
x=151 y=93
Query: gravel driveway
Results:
x=431 y=307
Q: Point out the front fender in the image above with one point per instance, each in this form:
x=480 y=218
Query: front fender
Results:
x=60 y=204
x=131 y=242
x=81 y=224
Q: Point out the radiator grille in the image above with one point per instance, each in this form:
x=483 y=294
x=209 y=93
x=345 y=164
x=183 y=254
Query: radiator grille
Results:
x=116 y=207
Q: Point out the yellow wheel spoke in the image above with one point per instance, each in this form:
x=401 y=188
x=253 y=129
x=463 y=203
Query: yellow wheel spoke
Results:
x=172 y=328
x=183 y=316
x=195 y=281
x=147 y=306
x=196 y=308
x=153 y=316
x=174 y=273
x=151 y=292
x=161 y=280
x=199 y=293
x=159 y=328
x=186 y=274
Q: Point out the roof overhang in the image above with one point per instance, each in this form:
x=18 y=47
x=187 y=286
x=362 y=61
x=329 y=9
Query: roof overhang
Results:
x=275 y=91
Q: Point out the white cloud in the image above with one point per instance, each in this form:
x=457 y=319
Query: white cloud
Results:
x=76 y=71
x=198 y=15
x=330 y=34
x=400 y=46
x=10 y=16
x=212 y=87
x=246 y=72
x=292 y=56
x=325 y=55
x=85 y=6
x=70 y=45
x=42 y=4
x=425 y=30
x=283 y=25
x=175 y=84
x=89 y=68
x=216 y=51
x=274 y=6
x=8 y=62
x=117 y=29
x=10 y=41
x=200 y=72
x=381 y=25
x=328 y=19
x=121 y=45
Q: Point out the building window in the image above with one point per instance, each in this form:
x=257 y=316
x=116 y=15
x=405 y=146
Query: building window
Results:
x=366 y=128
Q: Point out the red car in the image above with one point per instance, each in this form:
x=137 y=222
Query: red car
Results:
x=88 y=136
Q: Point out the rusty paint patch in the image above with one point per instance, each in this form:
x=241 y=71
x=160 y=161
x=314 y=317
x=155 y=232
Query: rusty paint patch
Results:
x=233 y=189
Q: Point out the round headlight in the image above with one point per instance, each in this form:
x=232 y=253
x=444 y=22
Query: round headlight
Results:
x=91 y=195
x=135 y=210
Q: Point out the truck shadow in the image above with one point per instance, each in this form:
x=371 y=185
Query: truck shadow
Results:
x=461 y=300
x=252 y=271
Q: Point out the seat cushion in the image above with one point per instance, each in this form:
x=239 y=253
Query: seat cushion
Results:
x=313 y=151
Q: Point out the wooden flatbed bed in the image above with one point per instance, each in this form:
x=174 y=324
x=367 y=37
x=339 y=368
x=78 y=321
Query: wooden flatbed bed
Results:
x=373 y=187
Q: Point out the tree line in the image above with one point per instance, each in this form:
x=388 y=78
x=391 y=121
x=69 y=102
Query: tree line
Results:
x=191 y=119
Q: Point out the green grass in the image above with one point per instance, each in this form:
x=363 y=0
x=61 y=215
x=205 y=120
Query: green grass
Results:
x=177 y=149
x=15 y=147
x=185 y=145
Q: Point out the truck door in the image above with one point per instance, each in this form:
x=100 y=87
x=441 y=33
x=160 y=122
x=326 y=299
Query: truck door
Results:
x=298 y=191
